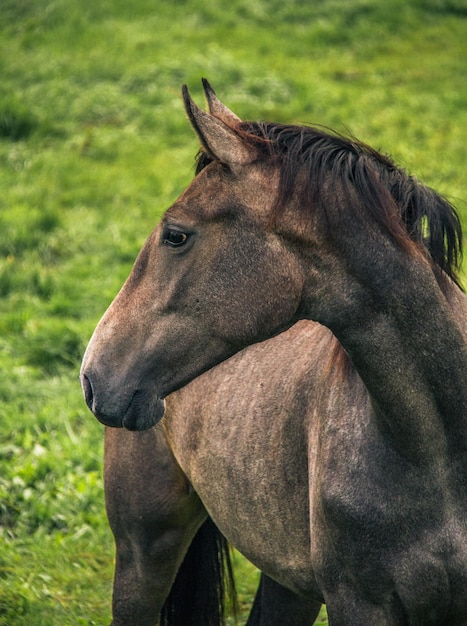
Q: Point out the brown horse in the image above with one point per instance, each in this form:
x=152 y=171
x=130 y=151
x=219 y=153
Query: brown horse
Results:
x=356 y=498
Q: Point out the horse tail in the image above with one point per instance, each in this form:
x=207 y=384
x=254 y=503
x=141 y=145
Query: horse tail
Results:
x=204 y=586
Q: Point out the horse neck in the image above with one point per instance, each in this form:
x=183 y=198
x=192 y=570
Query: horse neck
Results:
x=408 y=343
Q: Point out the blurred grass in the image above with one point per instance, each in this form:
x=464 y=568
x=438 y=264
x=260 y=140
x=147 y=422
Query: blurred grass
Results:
x=94 y=145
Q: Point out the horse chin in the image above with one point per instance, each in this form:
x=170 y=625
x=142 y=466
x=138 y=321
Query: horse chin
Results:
x=140 y=417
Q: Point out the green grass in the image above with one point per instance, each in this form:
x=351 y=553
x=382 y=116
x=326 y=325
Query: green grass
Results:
x=94 y=145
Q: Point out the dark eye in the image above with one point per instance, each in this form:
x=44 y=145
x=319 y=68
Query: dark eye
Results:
x=174 y=238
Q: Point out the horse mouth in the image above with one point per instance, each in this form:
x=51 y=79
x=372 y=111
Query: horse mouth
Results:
x=143 y=412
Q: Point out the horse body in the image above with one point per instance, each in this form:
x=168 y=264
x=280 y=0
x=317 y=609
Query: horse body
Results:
x=347 y=492
x=255 y=441
x=365 y=507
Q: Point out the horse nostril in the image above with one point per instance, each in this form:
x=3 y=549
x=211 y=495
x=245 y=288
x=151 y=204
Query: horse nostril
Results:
x=87 y=390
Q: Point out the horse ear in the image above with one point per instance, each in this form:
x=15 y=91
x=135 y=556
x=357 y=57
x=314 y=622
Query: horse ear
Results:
x=217 y=108
x=217 y=139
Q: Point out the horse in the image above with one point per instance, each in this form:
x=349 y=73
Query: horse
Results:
x=356 y=498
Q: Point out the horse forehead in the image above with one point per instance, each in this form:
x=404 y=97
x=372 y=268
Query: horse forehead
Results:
x=215 y=191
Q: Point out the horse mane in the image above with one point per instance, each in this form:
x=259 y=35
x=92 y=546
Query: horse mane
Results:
x=371 y=183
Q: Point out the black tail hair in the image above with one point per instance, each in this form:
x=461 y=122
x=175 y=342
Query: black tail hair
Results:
x=204 y=586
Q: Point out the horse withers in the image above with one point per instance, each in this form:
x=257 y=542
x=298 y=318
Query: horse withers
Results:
x=358 y=499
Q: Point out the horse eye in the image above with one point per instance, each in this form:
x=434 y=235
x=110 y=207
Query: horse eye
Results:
x=175 y=238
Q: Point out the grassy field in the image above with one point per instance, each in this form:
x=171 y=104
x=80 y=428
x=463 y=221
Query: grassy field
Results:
x=94 y=145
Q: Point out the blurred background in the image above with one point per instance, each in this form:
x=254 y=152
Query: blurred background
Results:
x=94 y=145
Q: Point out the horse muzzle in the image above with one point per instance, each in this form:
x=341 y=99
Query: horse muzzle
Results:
x=137 y=411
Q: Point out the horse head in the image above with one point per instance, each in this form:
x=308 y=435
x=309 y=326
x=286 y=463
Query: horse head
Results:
x=200 y=289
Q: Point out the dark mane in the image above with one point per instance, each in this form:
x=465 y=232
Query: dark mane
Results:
x=404 y=207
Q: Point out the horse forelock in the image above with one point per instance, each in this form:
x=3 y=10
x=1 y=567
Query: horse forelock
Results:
x=370 y=185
